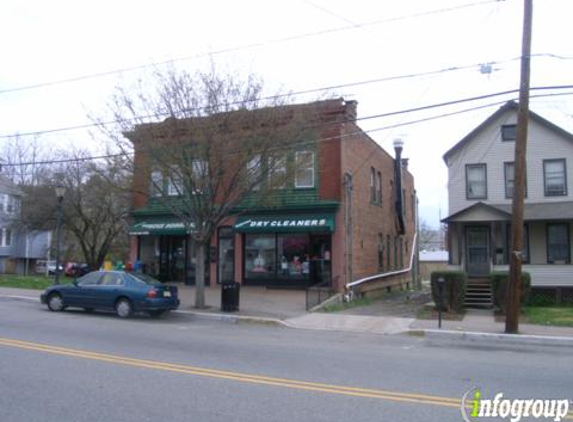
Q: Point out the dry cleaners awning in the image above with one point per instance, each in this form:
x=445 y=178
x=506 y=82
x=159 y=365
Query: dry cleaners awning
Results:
x=170 y=228
x=283 y=223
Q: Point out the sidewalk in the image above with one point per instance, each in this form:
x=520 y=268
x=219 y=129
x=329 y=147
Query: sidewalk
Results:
x=287 y=308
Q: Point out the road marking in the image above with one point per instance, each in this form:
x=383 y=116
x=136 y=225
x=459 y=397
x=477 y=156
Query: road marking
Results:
x=238 y=376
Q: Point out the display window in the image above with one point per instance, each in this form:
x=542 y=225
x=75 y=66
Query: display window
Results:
x=260 y=256
x=293 y=250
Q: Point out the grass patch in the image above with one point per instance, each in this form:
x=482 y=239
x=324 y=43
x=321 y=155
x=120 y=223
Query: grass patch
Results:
x=337 y=307
x=559 y=316
x=36 y=282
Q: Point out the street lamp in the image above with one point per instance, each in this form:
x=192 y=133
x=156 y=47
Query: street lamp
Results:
x=60 y=192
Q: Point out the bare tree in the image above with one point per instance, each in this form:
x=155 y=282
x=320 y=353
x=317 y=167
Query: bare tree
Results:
x=21 y=159
x=207 y=145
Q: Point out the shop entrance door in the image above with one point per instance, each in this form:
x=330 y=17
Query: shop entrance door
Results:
x=226 y=256
x=320 y=259
x=172 y=258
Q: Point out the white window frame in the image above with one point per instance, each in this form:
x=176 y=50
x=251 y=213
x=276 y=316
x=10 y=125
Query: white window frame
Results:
x=156 y=188
x=5 y=238
x=254 y=171
x=469 y=167
x=199 y=176
x=277 y=171
x=563 y=174
x=309 y=169
x=175 y=182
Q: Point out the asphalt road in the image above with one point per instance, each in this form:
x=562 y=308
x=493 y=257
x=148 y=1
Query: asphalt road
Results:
x=75 y=366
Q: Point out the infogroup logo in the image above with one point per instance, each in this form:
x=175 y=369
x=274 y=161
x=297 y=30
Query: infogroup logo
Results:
x=475 y=407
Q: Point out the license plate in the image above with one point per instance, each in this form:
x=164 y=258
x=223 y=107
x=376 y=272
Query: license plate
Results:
x=166 y=294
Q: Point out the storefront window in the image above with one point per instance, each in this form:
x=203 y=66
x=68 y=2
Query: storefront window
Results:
x=260 y=256
x=294 y=256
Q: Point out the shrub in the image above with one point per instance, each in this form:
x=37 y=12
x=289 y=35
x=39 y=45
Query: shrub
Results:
x=455 y=285
x=499 y=285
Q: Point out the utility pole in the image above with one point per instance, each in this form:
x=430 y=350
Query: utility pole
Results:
x=514 y=288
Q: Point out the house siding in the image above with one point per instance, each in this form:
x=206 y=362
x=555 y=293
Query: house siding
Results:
x=488 y=148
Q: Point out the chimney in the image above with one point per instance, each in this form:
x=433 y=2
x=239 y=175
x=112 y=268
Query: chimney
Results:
x=351 y=110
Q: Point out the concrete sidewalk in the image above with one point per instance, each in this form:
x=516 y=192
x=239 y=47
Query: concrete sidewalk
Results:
x=288 y=308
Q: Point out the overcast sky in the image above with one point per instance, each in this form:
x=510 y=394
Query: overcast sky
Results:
x=293 y=45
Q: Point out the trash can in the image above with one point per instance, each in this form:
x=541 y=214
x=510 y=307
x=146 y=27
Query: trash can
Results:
x=230 y=297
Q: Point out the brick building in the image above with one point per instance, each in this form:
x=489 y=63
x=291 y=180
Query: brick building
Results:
x=347 y=213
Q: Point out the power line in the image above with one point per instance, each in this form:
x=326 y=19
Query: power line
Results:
x=360 y=131
x=245 y=47
x=139 y=118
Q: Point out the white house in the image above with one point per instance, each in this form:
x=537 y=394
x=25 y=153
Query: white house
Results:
x=19 y=248
x=480 y=188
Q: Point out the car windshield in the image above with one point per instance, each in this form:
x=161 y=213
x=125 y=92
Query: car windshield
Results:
x=143 y=278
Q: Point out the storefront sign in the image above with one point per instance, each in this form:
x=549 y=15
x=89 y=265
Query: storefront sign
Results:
x=157 y=228
x=283 y=223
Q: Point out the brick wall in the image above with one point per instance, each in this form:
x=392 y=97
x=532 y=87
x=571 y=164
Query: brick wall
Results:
x=370 y=221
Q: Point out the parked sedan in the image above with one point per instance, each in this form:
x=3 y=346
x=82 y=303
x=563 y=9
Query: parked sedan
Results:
x=122 y=292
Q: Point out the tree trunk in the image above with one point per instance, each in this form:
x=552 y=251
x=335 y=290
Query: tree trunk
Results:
x=200 y=275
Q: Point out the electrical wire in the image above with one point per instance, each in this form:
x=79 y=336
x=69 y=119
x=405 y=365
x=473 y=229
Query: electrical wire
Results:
x=244 y=47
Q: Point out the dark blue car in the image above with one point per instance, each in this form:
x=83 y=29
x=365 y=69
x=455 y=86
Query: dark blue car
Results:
x=122 y=292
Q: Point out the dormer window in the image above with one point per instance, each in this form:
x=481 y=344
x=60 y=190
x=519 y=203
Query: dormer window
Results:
x=508 y=132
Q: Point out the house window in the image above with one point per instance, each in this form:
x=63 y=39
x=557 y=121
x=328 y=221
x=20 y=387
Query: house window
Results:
x=558 y=243
x=304 y=163
x=175 y=182
x=3 y=200
x=254 y=172
x=555 y=177
x=476 y=181
x=277 y=172
x=525 y=248
x=380 y=251
x=5 y=237
x=379 y=188
x=372 y=185
x=199 y=176
x=508 y=132
x=156 y=188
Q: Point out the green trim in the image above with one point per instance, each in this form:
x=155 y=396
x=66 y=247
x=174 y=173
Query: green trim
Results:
x=283 y=223
x=158 y=227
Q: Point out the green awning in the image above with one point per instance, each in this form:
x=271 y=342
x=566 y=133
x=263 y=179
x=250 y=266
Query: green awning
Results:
x=282 y=223
x=143 y=228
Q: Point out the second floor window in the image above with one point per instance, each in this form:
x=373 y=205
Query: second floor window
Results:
x=304 y=172
x=156 y=188
x=555 y=176
x=476 y=181
x=5 y=237
x=175 y=182
x=277 y=172
x=372 y=185
x=254 y=172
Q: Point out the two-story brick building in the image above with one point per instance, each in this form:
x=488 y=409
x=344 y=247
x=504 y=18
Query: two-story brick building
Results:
x=480 y=189
x=339 y=218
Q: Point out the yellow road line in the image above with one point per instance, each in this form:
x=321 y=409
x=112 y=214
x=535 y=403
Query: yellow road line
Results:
x=238 y=376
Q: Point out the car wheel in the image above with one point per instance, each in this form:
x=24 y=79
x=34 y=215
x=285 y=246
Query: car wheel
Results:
x=55 y=302
x=124 y=308
x=157 y=313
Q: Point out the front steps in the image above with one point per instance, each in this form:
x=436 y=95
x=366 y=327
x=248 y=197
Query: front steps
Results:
x=479 y=294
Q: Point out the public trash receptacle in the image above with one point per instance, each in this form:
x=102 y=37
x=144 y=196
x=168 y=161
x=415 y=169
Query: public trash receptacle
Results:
x=230 y=297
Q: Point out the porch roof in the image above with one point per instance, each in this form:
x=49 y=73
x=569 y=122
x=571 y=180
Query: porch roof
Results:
x=502 y=212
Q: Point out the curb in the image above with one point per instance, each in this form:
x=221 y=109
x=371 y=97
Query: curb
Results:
x=233 y=319
x=493 y=339
x=16 y=297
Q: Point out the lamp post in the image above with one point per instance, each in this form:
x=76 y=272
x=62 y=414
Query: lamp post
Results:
x=60 y=192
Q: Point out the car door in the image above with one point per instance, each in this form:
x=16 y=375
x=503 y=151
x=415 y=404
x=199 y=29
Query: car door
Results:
x=108 y=289
x=82 y=293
